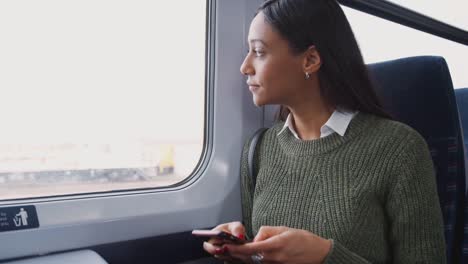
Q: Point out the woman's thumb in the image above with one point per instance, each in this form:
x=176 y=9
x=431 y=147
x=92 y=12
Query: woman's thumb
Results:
x=266 y=232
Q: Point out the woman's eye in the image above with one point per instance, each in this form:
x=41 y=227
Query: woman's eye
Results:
x=258 y=53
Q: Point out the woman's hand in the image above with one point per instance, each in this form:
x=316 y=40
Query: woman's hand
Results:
x=283 y=245
x=216 y=246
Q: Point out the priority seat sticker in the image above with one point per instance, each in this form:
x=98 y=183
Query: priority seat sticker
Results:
x=18 y=218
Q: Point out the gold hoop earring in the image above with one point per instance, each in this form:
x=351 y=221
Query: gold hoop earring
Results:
x=307 y=76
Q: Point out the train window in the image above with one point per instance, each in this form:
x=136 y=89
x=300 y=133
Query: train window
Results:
x=100 y=95
x=452 y=12
x=397 y=41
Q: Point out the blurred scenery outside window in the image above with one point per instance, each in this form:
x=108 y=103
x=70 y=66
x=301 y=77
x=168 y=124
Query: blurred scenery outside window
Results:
x=100 y=95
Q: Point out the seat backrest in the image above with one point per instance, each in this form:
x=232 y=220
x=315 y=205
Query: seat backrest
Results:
x=418 y=91
x=462 y=103
x=461 y=94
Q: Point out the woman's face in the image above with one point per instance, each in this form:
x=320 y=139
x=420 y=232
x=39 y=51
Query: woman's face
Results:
x=275 y=75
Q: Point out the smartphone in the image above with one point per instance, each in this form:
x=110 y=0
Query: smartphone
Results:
x=225 y=236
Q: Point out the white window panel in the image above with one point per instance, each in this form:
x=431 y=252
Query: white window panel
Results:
x=382 y=40
x=100 y=95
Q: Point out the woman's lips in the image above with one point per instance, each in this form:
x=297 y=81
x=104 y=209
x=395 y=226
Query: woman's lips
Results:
x=253 y=87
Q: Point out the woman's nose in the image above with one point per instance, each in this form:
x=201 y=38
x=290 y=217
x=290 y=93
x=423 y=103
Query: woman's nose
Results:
x=246 y=67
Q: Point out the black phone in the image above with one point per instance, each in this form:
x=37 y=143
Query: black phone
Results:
x=225 y=236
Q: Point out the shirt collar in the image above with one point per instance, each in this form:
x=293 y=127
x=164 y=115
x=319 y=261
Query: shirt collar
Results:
x=288 y=124
x=338 y=122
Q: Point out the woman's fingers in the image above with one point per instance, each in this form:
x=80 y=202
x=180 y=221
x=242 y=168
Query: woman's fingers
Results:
x=252 y=248
x=215 y=241
x=267 y=242
x=210 y=248
x=218 y=252
x=266 y=232
x=217 y=246
x=237 y=229
x=214 y=250
x=245 y=252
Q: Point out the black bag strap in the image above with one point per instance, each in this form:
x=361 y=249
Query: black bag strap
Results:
x=253 y=145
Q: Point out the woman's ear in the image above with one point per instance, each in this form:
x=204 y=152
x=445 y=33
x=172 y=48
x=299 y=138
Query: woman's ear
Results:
x=312 y=60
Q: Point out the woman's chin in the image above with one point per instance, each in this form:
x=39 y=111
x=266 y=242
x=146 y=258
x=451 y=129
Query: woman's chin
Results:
x=262 y=100
x=258 y=102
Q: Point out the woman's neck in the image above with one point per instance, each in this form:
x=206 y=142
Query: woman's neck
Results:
x=308 y=120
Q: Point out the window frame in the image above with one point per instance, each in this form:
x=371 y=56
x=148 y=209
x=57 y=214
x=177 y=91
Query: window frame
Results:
x=83 y=221
x=200 y=165
x=409 y=18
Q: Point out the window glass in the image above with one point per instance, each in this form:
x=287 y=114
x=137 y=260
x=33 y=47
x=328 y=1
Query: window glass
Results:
x=452 y=12
x=100 y=95
x=382 y=40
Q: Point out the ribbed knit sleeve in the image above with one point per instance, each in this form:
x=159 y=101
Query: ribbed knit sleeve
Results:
x=416 y=224
x=247 y=191
x=341 y=255
x=415 y=218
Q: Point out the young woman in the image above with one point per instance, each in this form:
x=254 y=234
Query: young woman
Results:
x=338 y=181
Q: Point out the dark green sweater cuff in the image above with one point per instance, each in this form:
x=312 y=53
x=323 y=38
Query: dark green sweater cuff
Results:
x=341 y=255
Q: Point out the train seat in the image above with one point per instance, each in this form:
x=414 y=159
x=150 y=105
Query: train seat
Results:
x=418 y=91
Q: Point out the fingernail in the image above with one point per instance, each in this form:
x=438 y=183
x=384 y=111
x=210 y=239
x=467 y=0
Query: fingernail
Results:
x=225 y=249
x=241 y=236
x=219 y=251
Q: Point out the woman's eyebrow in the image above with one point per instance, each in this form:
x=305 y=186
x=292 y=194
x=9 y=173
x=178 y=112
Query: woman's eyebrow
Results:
x=258 y=40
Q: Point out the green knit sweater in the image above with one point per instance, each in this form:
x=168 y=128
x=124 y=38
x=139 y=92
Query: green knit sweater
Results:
x=372 y=191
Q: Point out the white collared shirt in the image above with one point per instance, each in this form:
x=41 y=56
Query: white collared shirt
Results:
x=338 y=122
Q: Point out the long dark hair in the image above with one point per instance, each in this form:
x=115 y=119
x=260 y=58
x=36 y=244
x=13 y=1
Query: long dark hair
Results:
x=343 y=76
